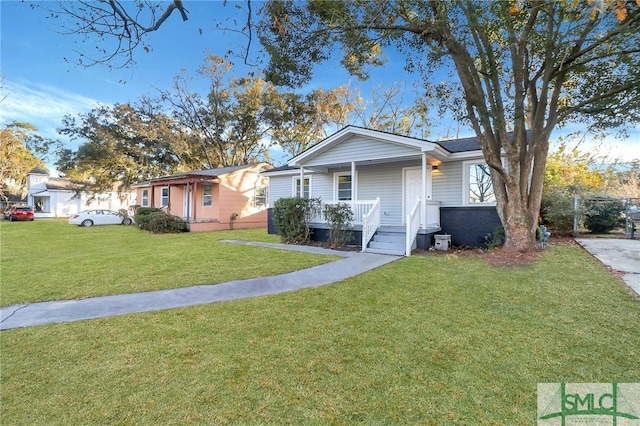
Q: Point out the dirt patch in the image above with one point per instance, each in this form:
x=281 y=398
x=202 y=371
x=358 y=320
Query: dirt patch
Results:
x=499 y=257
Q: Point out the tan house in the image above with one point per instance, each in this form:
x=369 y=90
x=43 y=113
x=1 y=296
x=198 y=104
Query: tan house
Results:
x=212 y=199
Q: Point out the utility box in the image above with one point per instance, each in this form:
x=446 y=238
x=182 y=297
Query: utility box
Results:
x=442 y=242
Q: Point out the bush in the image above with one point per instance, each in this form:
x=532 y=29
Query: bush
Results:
x=557 y=210
x=291 y=217
x=603 y=215
x=340 y=217
x=142 y=216
x=156 y=221
x=495 y=239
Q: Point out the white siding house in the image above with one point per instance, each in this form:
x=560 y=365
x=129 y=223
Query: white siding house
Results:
x=394 y=184
x=58 y=197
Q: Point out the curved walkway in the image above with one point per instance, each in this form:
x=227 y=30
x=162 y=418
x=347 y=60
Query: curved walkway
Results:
x=353 y=263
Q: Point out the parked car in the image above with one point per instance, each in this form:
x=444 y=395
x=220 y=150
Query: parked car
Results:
x=99 y=217
x=19 y=213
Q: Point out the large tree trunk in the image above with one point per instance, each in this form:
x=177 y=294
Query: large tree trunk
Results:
x=519 y=225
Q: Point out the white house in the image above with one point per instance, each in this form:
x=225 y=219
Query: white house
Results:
x=403 y=190
x=58 y=197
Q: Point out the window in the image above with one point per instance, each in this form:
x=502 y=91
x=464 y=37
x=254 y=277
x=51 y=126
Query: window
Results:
x=307 y=187
x=207 y=195
x=478 y=187
x=165 y=196
x=342 y=186
x=260 y=196
x=145 y=198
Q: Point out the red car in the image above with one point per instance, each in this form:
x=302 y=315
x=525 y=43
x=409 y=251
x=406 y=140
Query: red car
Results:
x=19 y=213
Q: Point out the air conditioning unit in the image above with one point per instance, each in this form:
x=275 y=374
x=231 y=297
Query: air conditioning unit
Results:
x=442 y=242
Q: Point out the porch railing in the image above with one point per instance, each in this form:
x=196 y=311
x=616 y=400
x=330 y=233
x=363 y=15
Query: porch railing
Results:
x=360 y=210
x=413 y=225
x=370 y=223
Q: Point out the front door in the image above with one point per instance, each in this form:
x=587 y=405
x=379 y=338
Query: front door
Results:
x=413 y=188
x=186 y=203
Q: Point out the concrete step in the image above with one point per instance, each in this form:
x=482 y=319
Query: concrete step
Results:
x=389 y=238
x=385 y=251
x=384 y=245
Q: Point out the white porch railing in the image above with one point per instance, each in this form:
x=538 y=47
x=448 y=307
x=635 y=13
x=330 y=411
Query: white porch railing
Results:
x=370 y=223
x=360 y=210
x=413 y=225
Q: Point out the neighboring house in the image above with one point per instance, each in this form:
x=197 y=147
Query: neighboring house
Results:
x=208 y=199
x=402 y=190
x=59 y=197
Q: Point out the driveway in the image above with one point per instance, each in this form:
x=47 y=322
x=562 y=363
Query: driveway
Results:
x=622 y=255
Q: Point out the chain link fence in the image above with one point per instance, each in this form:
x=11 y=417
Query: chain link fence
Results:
x=603 y=215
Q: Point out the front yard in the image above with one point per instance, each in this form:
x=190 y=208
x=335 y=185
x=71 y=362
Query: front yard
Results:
x=425 y=340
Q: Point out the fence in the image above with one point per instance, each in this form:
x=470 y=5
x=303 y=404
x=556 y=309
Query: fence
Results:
x=605 y=214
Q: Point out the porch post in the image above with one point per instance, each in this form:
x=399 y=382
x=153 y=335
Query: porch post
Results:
x=301 y=182
x=423 y=199
x=353 y=181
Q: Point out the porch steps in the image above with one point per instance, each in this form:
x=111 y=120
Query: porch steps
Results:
x=388 y=240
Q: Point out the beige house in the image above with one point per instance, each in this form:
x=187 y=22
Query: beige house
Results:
x=212 y=199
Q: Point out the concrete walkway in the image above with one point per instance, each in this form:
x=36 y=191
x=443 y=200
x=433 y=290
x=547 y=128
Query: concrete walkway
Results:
x=352 y=264
x=622 y=255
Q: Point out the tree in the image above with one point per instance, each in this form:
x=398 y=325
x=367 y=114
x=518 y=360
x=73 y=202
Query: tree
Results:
x=121 y=145
x=21 y=150
x=524 y=67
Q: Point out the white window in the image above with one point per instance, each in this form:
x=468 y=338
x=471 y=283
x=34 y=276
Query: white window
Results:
x=165 y=196
x=207 y=195
x=478 y=188
x=307 y=187
x=145 y=198
x=260 y=196
x=342 y=186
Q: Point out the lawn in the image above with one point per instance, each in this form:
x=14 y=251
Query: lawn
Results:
x=52 y=260
x=440 y=340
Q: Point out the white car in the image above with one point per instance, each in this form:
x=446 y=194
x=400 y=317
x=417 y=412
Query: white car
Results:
x=99 y=217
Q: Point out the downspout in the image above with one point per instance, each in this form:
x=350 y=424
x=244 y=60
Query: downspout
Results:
x=301 y=182
x=353 y=181
x=423 y=199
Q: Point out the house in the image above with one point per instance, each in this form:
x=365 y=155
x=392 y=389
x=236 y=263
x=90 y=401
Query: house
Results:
x=212 y=199
x=59 y=197
x=403 y=191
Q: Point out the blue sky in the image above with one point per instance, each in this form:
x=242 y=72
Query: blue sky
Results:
x=41 y=86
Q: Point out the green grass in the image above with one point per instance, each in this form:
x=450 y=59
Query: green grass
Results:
x=440 y=340
x=52 y=260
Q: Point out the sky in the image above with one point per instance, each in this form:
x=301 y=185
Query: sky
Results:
x=42 y=81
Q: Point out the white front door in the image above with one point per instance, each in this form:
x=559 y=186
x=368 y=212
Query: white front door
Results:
x=412 y=180
x=186 y=214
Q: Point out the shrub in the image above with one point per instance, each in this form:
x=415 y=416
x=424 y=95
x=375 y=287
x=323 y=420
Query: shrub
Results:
x=603 y=215
x=291 y=217
x=557 y=210
x=142 y=216
x=340 y=217
x=495 y=239
x=158 y=222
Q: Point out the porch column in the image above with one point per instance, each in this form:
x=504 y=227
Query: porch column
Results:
x=301 y=182
x=423 y=199
x=353 y=181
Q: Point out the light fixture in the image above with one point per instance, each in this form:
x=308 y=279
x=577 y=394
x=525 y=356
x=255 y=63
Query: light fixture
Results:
x=434 y=167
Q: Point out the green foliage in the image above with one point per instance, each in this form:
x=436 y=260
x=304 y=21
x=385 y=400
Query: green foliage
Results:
x=291 y=217
x=495 y=239
x=603 y=215
x=557 y=209
x=340 y=218
x=156 y=221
